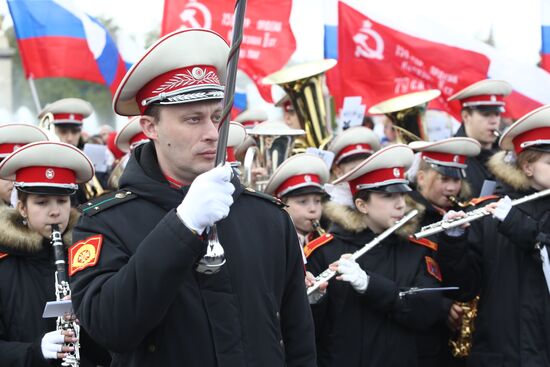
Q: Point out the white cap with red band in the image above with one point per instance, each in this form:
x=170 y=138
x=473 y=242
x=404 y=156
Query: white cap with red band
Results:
x=182 y=67
x=451 y=152
x=383 y=169
x=483 y=93
x=529 y=131
x=251 y=118
x=298 y=172
x=68 y=111
x=354 y=141
x=236 y=136
x=47 y=164
x=272 y=127
x=14 y=136
x=131 y=135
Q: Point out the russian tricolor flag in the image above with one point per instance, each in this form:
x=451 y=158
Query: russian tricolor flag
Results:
x=545 y=25
x=57 y=39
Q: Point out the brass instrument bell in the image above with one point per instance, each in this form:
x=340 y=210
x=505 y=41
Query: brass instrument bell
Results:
x=303 y=83
x=407 y=112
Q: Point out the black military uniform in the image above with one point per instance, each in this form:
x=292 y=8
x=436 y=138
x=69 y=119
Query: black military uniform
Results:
x=144 y=301
x=477 y=171
x=502 y=261
x=26 y=283
x=377 y=328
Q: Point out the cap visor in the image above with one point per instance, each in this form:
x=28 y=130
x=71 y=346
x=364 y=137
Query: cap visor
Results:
x=393 y=188
x=43 y=190
x=448 y=171
x=306 y=191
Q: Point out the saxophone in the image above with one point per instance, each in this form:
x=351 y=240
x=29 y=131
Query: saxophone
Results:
x=63 y=290
x=461 y=343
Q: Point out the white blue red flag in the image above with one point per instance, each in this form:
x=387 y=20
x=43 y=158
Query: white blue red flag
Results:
x=545 y=29
x=57 y=39
x=382 y=54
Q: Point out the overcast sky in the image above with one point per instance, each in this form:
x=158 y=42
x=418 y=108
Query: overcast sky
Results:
x=515 y=23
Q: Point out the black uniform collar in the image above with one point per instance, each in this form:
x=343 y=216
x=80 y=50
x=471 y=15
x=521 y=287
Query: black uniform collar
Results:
x=144 y=177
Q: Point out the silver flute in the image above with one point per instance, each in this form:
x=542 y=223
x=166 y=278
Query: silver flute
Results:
x=471 y=216
x=63 y=290
x=328 y=274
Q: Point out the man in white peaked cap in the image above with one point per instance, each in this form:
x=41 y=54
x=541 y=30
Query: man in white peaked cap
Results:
x=150 y=296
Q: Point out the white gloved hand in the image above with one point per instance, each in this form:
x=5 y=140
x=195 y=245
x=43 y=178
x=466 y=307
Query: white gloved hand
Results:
x=352 y=273
x=455 y=231
x=51 y=344
x=503 y=208
x=208 y=199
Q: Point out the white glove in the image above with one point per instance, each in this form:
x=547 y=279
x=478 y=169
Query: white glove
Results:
x=503 y=208
x=51 y=344
x=208 y=199
x=455 y=231
x=352 y=273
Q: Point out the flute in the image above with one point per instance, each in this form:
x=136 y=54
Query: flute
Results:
x=328 y=274
x=475 y=214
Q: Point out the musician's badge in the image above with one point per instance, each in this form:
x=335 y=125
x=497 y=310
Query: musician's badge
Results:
x=85 y=253
x=433 y=268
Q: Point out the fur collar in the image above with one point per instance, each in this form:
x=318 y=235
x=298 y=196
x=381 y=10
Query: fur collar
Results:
x=352 y=220
x=508 y=172
x=18 y=237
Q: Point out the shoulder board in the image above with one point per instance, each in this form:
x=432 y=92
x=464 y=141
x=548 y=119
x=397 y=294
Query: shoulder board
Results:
x=433 y=268
x=424 y=242
x=481 y=199
x=3 y=255
x=103 y=202
x=316 y=243
x=262 y=195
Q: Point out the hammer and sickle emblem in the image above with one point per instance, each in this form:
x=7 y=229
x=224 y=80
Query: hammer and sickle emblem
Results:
x=189 y=16
x=366 y=38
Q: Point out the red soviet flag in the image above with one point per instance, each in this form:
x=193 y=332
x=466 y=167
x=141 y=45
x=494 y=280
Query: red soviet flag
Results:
x=268 y=41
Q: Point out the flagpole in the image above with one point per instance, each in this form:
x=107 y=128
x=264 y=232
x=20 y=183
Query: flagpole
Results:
x=229 y=94
x=34 y=93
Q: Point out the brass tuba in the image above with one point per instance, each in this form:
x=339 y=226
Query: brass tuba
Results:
x=303 y=84
x=407 y=112
x=274 y=143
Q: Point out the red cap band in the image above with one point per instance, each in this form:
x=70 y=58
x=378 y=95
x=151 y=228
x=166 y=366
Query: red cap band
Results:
x=8 y=148
x=445 y=158
x=178 y=80
x=138 y=137
x=353 y=149
x=231 y=155
x=541 y=133
x=296 y=182
x=46 y=175
x=483 y=100
x=380 y=177
x=68 y=116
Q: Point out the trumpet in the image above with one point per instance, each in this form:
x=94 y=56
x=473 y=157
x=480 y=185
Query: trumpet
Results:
x=471 y=216
x=325 y=276
x=63 y=290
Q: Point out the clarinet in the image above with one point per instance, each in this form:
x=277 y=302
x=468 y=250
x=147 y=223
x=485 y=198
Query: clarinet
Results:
x=62 y=290
x=328 y=274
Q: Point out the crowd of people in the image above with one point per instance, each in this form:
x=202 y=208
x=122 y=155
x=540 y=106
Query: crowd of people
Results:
x=172 y=260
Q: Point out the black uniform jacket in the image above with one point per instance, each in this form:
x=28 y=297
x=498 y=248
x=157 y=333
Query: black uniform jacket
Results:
x=376 y=328
x=144 y=301
x=477 y=171
x=500 y=261
x=26 y=283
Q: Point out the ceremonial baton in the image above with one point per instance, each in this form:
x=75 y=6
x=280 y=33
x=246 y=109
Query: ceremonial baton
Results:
x=214 y=258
